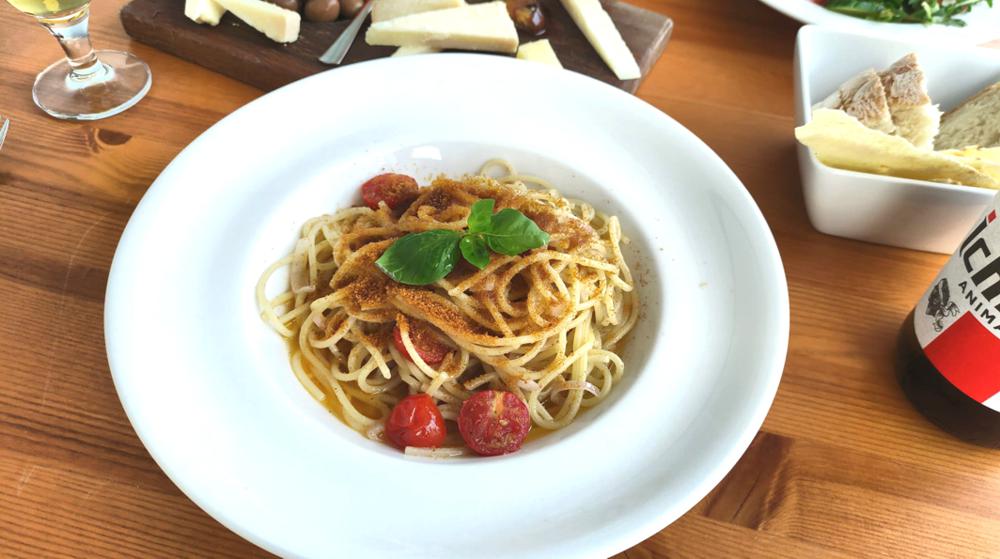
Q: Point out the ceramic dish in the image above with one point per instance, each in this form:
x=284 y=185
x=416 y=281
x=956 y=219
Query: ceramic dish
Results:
x=209 y=390
x=982 y=23
x=907 y=213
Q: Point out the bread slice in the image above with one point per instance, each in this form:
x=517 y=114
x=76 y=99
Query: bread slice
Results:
x=913 y=114
x=976 y=122
x=864 y=98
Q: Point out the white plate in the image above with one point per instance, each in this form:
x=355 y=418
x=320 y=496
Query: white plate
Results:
x=208 y=388
x=982 y=23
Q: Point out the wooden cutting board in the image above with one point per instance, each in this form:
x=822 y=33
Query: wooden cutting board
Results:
x=238 y=51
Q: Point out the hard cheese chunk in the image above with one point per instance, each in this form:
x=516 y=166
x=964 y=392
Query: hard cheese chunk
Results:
x=384 y=10
x=839 y=140
x=484 y=27
x=539 y=51
x=204 y=11
x=409 y=50
x=597 y=26
x=278 y=24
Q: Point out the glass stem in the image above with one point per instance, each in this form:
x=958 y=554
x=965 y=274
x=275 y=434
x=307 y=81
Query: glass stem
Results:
x=71 y=31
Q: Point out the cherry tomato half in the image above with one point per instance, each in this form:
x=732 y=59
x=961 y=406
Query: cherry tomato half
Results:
x=430 y=349
x=494 y=422
x=395 y=190
x=415 y=421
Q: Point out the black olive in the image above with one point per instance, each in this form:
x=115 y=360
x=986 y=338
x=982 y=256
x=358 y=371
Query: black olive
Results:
x=322 y=10
x=351 y=7
x=527 y=15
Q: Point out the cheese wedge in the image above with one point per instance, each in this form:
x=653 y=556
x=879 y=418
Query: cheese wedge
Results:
x=204 y=11
x=278 y=24
x=597 y=26
x=384 y=10
x=539 y=51
x=986 y=160
x=409 y=50
x=839 y=140
x=483 y=27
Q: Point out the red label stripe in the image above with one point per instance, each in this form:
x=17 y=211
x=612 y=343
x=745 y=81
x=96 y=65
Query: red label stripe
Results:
x=968 y=355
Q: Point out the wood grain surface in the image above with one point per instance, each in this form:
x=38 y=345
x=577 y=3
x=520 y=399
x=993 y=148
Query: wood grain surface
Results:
x=238 y=51
x=843 y=466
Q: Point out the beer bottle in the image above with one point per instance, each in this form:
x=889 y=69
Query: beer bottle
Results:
x=948 y=359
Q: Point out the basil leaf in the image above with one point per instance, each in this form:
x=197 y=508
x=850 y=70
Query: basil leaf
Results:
x=480 y=215
x=511 y=233
x=474 y=250
x=421 y=258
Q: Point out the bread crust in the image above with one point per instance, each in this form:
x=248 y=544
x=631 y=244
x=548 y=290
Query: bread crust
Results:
x=905 y=85
x=976 y=121
x=988 y=90
x=864 y=98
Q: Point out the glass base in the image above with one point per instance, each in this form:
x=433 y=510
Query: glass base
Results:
x=116 y=83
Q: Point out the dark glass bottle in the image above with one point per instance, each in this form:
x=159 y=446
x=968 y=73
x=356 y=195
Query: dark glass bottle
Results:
x=938 y=399
x=948 y=360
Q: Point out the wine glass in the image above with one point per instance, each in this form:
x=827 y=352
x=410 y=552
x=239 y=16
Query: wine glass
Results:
x=87 y=84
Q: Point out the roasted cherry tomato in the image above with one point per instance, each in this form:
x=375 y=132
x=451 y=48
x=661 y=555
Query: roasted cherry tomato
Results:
x=396 y=190
x=430 y=349
x=494 y=422
x=415 y=421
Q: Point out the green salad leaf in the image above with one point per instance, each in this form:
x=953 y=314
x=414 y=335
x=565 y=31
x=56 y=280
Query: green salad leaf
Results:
x=927 y=12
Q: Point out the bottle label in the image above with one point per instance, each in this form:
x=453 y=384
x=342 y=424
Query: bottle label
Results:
x=957 y=321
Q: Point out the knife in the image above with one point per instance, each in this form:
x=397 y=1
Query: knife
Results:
x=338 y=50
x=4 y=125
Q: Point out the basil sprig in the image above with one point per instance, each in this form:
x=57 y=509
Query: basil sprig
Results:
x=424 y=258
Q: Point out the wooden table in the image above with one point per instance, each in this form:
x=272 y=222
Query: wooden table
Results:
x=843 y=466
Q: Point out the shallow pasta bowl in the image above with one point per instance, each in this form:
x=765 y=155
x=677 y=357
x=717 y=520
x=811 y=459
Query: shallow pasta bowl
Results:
x=209 y=390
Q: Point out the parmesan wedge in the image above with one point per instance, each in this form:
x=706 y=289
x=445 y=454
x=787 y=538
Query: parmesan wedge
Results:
x=204 y=11
x=986 y=160
x=597 y=26
x=278 y=24
x=483 y=27
x=384 y=10
x=539 y=51
x=409 y=50
x=840 y=140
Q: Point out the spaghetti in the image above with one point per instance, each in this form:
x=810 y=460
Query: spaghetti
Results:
x=544 y=325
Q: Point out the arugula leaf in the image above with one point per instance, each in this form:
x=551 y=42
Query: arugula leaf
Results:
x=926 y=12
x=511 y=233
x=421 y=258
x=474 y=250
x=480 y=215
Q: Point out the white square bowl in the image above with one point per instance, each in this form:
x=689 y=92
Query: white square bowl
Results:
x=887 y=210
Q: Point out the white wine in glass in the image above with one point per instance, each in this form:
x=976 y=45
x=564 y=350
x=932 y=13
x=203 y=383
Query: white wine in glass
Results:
x=87 y=84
